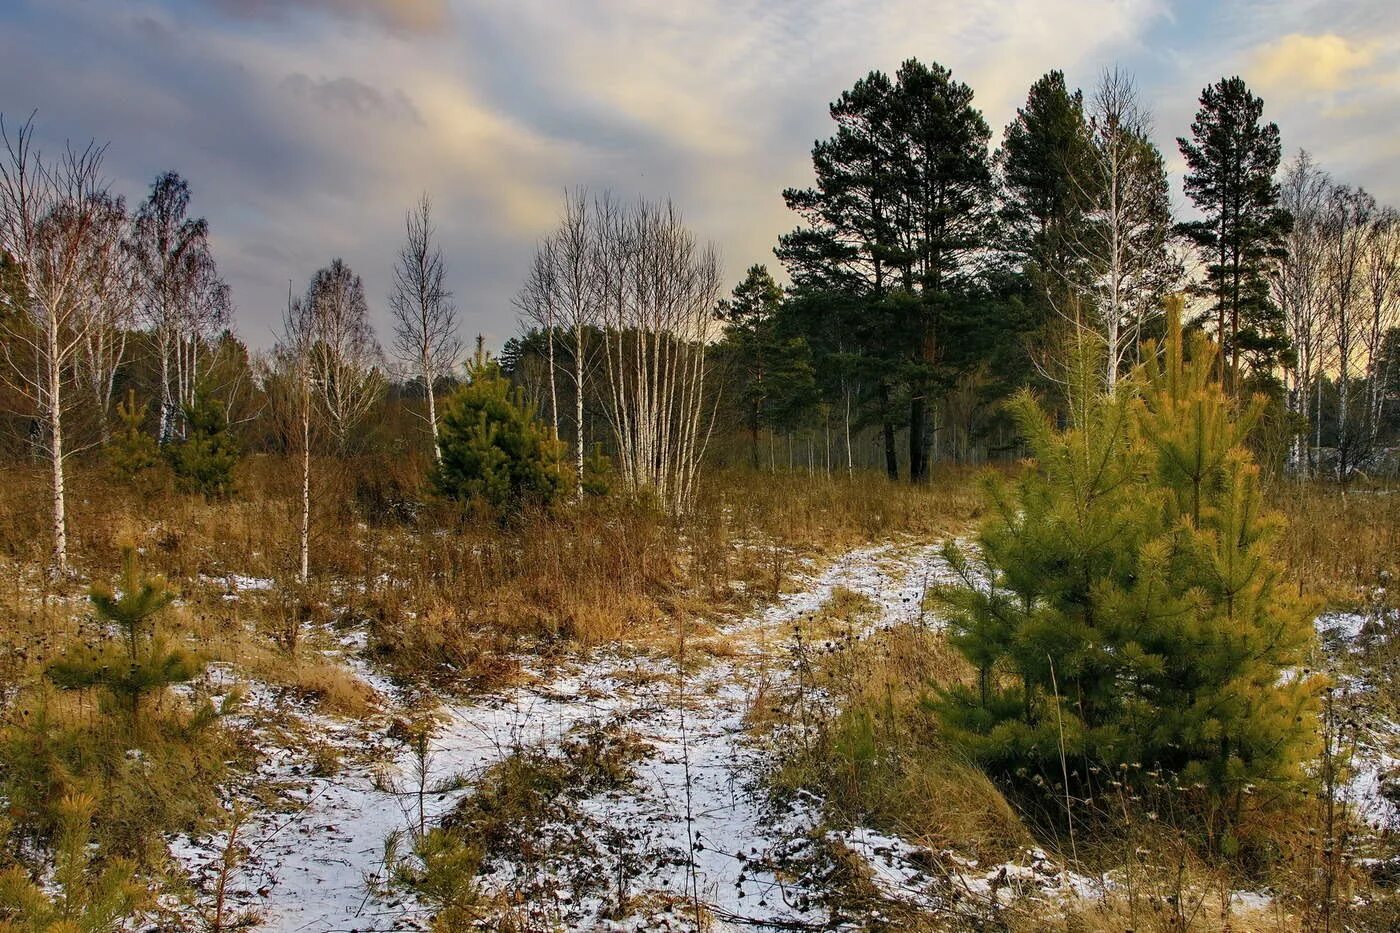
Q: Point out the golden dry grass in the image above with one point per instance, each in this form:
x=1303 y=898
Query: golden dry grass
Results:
x=1339 y=547
x=452 y=594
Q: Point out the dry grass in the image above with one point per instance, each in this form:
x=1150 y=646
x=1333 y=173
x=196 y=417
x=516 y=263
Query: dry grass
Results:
x=1205 y=911
x=873 y=752
x=843 y=615
x=446 y=594
x=1340 y=547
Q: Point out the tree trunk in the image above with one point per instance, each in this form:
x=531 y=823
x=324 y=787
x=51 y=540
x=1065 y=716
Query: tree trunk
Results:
x=578 y=414
x=753 y=439
x=918 y=457
x=55 y=388
x=166 y=403
x=553 y=396
x=304 y=573
x=850 y=466
x=887 y=427
x=432 y=414
x=891 y=456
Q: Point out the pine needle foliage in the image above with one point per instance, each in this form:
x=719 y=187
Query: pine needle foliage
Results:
x=132 y=452
x=493 y=447
x=140 y=663
x=1126 y=608
x=86 y=896
x=203 y=460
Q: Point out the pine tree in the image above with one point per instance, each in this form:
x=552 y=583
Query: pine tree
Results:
x=203 y=460
x=1224 y=714
x=1026 y=613
x=493 y=448
x=776 y=381
x=1126 y=607
x=142 y=664
x=1045 y=158
x=901 y=210
x=84 y=895
x=132 y=452
x=1231 y=159
x=597 y=473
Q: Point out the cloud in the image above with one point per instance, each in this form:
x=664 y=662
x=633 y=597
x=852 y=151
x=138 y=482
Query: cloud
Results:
x=1299 y=63
x=406 y=17
x=306 y=133
x=348 y=95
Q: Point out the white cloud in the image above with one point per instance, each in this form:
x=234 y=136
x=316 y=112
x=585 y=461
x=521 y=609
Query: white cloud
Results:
x=1299 y=64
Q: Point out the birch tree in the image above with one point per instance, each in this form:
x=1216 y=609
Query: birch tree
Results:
x=51 y=214
x=1124 y=268
x=1349 y=212
x=426 y=340
x=185 y=302
x=110 y=308
x=561 y=293
x=1380 y=288
x=289 y=382
x=346 y=376
x=1297 y=283
x=659 y=288
x=536 y=303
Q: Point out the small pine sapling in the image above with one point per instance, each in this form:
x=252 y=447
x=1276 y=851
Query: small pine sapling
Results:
x=597 y=473
x=492 y=446
x=1127 y=610
x=141 y=664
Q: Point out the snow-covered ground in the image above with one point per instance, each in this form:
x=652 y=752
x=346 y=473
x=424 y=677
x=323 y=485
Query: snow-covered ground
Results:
x=1373 y=790
x=694 y=816
x=692 y=826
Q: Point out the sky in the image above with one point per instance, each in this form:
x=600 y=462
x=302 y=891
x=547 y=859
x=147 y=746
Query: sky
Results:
x=307 y=128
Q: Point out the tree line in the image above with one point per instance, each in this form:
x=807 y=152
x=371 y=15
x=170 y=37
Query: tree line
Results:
x=930 y=276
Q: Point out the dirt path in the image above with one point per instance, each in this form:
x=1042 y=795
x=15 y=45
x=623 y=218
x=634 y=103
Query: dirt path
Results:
x=690 y=828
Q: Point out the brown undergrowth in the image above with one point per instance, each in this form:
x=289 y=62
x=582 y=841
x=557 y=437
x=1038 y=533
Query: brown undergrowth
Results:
x=1340 y=546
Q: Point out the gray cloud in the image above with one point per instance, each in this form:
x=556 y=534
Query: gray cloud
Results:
x=406 y=17
x=347 y=95
x=306 y=133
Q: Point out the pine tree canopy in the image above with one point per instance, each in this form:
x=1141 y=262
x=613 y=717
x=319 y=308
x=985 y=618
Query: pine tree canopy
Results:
x=203 y=460
x=1231 y=160
x=1046 y=164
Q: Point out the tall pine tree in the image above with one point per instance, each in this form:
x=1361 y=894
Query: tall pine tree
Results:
x=1231 y=161
x=1044 y=163
x=900 y=210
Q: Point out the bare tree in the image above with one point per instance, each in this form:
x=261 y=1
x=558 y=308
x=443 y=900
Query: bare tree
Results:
x=1297 y=283
x=346 y=376
x=426 y=340
x=1123 y=267
x=537 y=303
x=185 y=302
x=561 y=293
x=658 y=288
x=1349 y=212
x=110 y=307
x=1381 y=290
x=51 y=215
x=287 y=382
